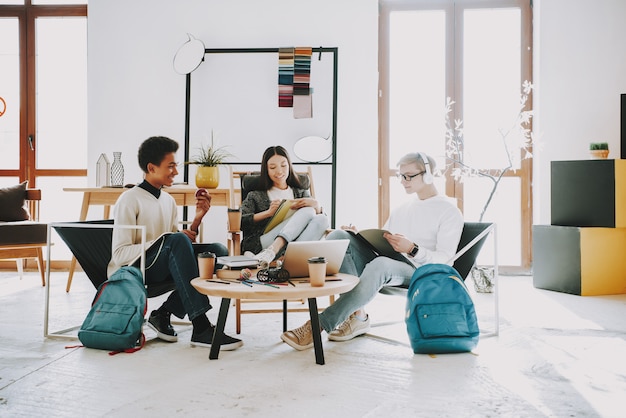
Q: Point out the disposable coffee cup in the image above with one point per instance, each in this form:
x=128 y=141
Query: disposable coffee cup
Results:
x=234 y=219
x=317 y=271
x=206 y=265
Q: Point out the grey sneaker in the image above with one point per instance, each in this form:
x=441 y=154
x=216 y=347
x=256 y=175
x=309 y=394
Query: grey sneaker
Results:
x=350 y=328
x=265 y=257
x=299 y=338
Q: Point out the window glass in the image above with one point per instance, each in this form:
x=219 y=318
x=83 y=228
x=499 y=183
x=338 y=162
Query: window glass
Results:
x=416 y=82
x=491 y=84
x=504 y=210
x=61 y=92
x=9 y=94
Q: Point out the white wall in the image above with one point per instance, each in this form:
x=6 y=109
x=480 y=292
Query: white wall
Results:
x=579 y=73
x=134 y=92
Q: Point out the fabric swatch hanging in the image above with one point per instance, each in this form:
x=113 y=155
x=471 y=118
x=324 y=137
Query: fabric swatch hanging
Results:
x=302 y=104
x=285 y=77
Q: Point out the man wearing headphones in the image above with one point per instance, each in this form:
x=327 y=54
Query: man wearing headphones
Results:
x=426 y=229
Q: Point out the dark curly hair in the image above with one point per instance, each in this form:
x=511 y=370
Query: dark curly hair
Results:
x=154 y=149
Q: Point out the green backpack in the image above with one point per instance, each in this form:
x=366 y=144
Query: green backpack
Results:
x=115 y=321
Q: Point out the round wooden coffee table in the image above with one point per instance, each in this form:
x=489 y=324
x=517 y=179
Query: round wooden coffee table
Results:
x=228 y=289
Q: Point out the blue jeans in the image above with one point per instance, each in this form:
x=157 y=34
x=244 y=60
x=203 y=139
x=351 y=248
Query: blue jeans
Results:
x=176 y=260
x=374 y=273
x=303 y=225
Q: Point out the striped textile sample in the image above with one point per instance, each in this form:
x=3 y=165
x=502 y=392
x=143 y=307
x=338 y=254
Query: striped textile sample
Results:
x=285 y=77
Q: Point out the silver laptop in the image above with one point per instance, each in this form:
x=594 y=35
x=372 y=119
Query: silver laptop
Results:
x=298 y=253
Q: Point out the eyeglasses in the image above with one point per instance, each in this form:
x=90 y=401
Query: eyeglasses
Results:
x=408 y=177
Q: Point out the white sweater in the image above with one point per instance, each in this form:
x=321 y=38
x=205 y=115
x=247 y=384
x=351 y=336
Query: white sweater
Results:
x=434 y=224
x=137 y=206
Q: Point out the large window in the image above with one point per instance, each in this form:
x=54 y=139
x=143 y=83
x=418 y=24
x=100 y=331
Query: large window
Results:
x=43 y=91
x=477 y=53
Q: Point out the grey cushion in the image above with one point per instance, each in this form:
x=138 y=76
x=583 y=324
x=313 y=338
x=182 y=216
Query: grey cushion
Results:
x=23 y=232
x=12 y=203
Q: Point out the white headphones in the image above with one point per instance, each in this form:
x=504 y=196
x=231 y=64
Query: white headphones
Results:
x=428 y=175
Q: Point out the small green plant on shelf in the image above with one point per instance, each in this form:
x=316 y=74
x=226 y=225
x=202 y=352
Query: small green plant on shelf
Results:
x=594 y=146
x=210 y=156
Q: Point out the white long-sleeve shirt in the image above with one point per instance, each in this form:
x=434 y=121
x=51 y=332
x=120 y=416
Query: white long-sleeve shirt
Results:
x=137 y=206
x=434 y=224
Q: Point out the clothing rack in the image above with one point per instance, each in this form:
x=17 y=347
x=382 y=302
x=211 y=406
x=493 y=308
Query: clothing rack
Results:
x=320 y=50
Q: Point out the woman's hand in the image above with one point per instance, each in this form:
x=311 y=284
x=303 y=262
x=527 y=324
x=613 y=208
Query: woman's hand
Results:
x=274 y=204
x=304 y=202
x=399 y=242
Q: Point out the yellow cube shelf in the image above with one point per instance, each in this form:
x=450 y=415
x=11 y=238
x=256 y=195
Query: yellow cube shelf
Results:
x=584 y=261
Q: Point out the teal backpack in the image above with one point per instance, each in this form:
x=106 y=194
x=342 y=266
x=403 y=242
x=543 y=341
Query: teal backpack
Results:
x=440 y=314
x=115 y=321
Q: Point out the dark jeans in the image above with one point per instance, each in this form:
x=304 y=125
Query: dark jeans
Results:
x=174 y=258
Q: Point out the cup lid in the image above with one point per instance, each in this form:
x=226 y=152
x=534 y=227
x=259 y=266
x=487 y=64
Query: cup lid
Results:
x=316 y=260
x=206 y=254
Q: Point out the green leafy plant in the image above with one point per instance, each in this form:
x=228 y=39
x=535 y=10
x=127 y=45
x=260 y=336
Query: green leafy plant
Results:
x=210 y=156
x=598 y=146
x=517 y=141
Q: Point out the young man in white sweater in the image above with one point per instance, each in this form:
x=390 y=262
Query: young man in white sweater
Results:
x=170 y=256
x=426 y=229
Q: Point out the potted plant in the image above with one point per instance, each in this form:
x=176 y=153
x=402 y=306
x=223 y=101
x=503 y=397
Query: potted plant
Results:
x=208 y=160
x=599 y=150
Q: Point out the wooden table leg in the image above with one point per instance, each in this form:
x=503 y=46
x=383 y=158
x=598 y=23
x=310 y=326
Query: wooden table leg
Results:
x=317 y=334
x=218 y=332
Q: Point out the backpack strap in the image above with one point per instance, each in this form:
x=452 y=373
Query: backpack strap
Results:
x=142 y=342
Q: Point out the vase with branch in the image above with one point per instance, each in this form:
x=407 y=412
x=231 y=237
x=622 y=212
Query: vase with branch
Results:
x=517 y=141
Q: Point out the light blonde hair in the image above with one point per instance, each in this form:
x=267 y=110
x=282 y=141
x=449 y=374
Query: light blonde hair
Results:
x=416 y=158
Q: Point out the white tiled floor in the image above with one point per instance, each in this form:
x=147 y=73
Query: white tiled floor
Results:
x=557 y=355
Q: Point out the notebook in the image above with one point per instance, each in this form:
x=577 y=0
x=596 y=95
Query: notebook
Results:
x=298 y=253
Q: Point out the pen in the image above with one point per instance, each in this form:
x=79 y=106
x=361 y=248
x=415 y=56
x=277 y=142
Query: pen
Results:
x=216 y=281
x=246 y=283
x=251 y=282
x=271 y=285
x=291 y=283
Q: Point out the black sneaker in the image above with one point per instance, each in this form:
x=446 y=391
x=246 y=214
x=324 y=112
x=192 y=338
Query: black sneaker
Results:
x=205 y=338
x=160 y=323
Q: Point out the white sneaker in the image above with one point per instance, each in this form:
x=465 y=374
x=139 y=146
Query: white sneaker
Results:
x=350 y=328
x=265 y=257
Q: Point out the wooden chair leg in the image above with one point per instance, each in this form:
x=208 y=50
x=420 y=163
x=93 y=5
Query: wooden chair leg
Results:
x=71 y=275
x=40 y=265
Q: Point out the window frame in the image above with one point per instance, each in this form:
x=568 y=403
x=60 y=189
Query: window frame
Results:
x=454 y=88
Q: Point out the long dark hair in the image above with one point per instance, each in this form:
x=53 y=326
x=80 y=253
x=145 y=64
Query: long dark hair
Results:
x=293 y=180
